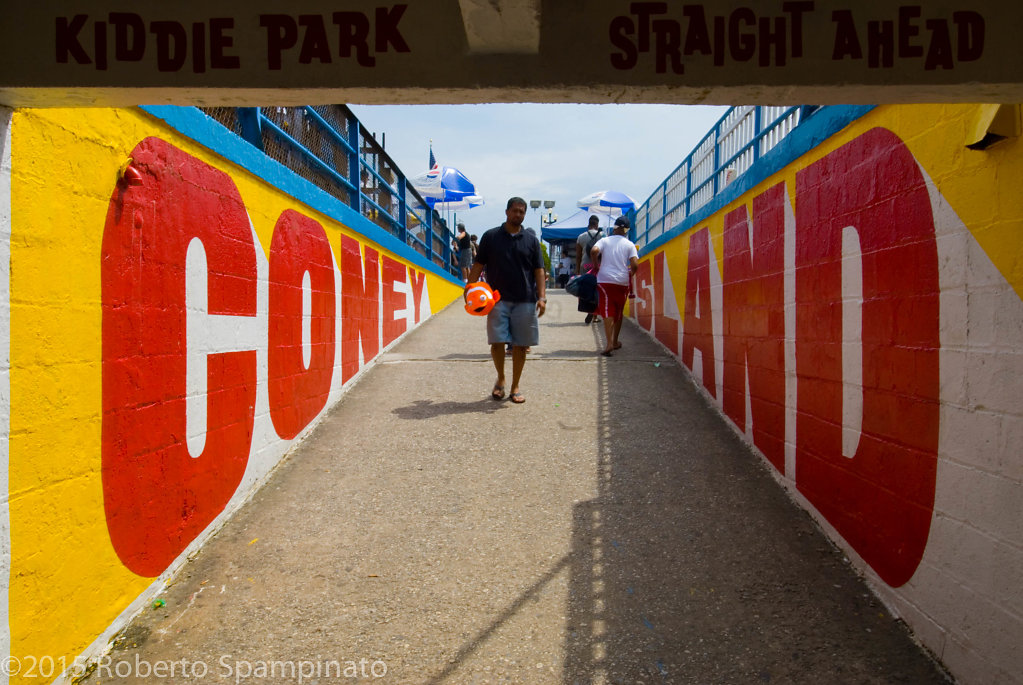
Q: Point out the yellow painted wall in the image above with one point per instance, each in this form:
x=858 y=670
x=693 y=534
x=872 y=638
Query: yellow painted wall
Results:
x=67 y=584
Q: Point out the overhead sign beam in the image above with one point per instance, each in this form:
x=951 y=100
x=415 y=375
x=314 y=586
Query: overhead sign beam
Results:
x=315 y=51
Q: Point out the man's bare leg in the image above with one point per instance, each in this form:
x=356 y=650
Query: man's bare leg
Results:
x=518 y=363
x=497 y=354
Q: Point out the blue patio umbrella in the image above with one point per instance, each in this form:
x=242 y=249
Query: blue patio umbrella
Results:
x=443 y=184
x=611 y=202
x=466 y=203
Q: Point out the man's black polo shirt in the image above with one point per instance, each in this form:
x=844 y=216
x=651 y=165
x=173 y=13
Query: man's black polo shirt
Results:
x=511 y=262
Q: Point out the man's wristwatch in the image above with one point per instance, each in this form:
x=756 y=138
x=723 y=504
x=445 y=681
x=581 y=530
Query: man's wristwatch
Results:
x=542 y=299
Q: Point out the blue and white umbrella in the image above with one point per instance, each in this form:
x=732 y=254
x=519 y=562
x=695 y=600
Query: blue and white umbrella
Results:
x=611 y=202
x=443 y=184
x=466 y=203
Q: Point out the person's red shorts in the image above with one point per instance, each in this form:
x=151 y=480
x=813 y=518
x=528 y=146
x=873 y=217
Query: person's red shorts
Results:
x=611 y=299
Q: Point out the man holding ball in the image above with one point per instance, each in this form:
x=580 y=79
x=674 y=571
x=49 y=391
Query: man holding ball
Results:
x=514 y=264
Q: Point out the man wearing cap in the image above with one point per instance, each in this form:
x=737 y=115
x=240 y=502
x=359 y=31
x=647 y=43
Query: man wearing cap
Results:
x=618 y=260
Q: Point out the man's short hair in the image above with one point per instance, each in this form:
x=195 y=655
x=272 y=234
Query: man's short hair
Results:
x=594 y=219
x=516 y=201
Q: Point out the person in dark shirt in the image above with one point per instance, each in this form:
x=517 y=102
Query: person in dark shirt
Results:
x=463 y=244
x=514 y=264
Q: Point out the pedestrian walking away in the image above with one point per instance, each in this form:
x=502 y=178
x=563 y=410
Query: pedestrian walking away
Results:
x=464 y=245
x=583 y=245
x=618 y=260
x=513 y=260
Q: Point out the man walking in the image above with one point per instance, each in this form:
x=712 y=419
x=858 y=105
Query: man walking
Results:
x=618 y=260
x=583 y=244
x=515 y=268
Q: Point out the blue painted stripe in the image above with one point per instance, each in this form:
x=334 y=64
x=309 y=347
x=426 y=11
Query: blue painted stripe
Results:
x=825 y=122
x=195 y=124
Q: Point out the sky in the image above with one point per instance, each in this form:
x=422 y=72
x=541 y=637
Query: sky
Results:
x=558 y=152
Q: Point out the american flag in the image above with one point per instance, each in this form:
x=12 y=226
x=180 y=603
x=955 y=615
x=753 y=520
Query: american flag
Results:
x=428 y=182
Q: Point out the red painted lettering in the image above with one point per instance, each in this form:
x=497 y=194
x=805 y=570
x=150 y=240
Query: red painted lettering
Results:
x=754 y=321
x=299 y=389
x=360 y=314
x=394 y=300
x=880 y=499
x=697 y=326
x=665 y=327
x=157 y=497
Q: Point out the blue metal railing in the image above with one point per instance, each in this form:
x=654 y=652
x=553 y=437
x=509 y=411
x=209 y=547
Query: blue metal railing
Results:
x=733 y=145
x=329 y=147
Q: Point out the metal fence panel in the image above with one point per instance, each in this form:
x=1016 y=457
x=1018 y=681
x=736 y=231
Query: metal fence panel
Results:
x=731 y=148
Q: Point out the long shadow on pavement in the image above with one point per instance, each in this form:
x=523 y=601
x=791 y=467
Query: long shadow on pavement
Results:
x=692 y=565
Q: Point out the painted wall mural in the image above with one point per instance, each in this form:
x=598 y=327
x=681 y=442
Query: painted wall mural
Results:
x=857 y=317
x=856 y=314
x=171 y=339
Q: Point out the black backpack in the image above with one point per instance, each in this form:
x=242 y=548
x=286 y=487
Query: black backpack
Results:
x=594 y=239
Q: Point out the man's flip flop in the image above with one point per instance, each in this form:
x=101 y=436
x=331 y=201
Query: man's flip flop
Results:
x=497 y=393
x=517 y=398
x=605 y=353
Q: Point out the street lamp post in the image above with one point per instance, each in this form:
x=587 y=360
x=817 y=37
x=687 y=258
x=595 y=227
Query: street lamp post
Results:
x=548 y=205
x=546 y=221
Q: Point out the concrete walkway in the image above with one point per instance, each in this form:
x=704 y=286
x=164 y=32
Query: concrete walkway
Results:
x=612 y=529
